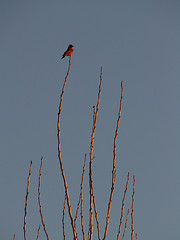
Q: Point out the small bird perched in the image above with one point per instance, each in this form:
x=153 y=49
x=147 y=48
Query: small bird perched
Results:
x=69 y=51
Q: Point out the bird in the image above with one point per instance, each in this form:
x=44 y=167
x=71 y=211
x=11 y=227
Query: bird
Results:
x=69 y=51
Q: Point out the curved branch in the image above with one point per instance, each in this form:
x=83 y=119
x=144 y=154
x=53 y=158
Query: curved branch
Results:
x=59 y=155
x=114 y=169
x=26 y=201
x=90 y=232
x=39 y=200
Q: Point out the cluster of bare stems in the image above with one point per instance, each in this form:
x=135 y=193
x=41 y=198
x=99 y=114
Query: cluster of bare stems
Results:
x=93 y=208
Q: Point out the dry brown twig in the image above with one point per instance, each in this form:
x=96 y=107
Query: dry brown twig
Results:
x=80 y=195
x=63 y=224
x=95 y=208
x=114 y=162
x=82 y=222
x=81 y=200
x=38 y=232
x=125 y=227
x=96 y=214
x=90 y=232
x=122 y=208
x=39 y=200
x=91 y=188
x=136 y=237
x=26 y=200
x=132 y=210
x=59 y=155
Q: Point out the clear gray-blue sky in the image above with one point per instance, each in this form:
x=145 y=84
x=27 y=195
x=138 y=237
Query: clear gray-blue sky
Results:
x=134 y=41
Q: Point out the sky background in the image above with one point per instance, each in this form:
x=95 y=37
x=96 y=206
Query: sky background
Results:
x=134 y=41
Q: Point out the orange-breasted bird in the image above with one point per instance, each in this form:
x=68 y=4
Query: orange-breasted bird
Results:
x=69 y=51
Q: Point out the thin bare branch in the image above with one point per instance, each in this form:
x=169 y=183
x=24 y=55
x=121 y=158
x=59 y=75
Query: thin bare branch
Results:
x=132 y=210
x=96 y=214
x=90 y=232
x=38 y=232
x=122 y=208
x=114 y=162
x=82 y=222
x=136 y=237
x=81 y=199
x=125 y=227
x=94 y=113
x=59 y=154
x=80 y=195
x=26 y=201
x=39 y=200
x=14 y=237
x=63 y=224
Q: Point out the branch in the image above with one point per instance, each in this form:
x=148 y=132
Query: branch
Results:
x=59 y=155
x=38 y=232
x=132 y=209
x=90 y=232
x=122 y=208
x=26 y=201
x=96 y=214
x=82 y=222
x=80 y=195
x=125 y=227
x=114 y=169
x=39 y=200
x=81 y=199
x=63 y=225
